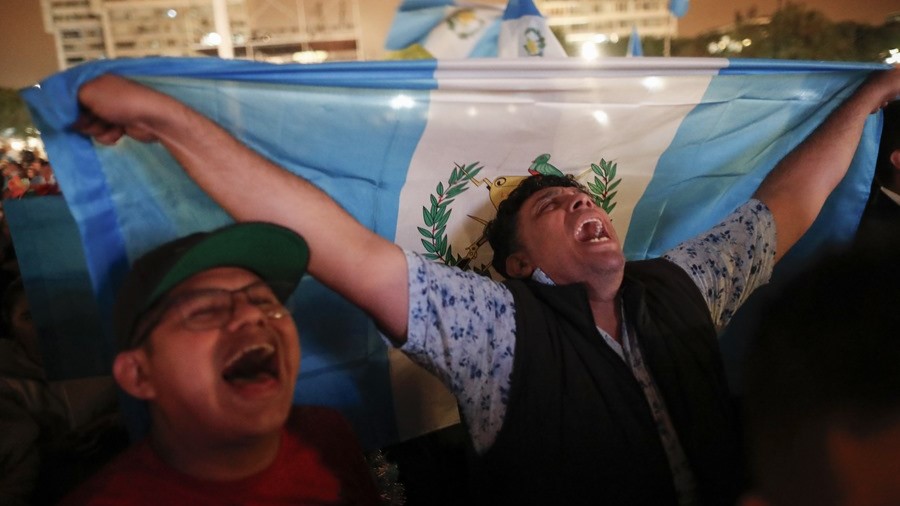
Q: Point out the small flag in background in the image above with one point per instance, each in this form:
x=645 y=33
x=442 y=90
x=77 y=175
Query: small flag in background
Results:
x=634 y=43
x=525 y=33
x=679 y=8
x=447 y=29
x=444 y=29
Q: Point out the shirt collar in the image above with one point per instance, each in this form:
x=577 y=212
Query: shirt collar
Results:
x=542 y=277
x=891 y=195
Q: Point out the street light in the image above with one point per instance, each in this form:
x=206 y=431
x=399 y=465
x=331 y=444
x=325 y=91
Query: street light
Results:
x=590 y=51
x=893 y=57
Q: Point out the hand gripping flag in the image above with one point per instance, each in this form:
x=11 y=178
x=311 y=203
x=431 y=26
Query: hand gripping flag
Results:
x=420 y=152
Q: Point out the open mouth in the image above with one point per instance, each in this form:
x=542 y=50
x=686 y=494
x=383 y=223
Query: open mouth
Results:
x=591 y=230
x=252 y=364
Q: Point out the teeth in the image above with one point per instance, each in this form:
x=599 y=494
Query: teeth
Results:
x=264 y=349
x=591 y=231
x=252 y=364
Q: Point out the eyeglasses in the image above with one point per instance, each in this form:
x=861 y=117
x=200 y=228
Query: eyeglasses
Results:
x=212 y=308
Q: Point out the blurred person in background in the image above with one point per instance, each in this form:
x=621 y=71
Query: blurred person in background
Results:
x=882 y=213
x=823 y=388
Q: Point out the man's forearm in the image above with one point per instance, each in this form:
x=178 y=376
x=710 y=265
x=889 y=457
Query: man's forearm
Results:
x=354 y=261
x=798 y=186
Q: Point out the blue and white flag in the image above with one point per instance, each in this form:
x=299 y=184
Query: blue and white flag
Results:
x=634 y=43
x=679 y=8
x=446 y=28
x=421 y=152
x=525 y=33
x=450 y=29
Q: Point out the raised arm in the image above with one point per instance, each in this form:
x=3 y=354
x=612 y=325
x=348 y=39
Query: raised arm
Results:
x=797 y=187
x=347 y=257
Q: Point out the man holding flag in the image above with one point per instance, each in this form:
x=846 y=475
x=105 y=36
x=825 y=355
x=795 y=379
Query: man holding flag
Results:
x=586 y=378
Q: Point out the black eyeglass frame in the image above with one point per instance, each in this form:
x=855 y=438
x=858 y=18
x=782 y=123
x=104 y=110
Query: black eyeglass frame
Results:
x=155 y=314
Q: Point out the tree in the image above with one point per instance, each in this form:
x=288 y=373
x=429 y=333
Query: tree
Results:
x=13 y=112
x=801 y=34
x=796 y=33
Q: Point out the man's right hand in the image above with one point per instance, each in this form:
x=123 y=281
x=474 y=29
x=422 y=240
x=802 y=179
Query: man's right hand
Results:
x=367 y=269
x=112 y=106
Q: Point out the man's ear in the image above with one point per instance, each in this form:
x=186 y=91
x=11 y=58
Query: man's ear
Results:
x=895 y=158
x=130 y=369
x=518 y=266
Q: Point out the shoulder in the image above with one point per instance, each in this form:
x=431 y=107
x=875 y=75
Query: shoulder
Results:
x=315 y=415
x=319 y=436
x=652 y=268
x=320 y=426
x=443 y=297
x=659 y=279
x=423 y=272
x=125 y=480
x=659 y=273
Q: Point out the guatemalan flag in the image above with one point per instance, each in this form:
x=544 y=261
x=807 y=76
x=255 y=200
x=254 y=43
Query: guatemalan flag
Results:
x=634 y=43
x=420 y=152
x=450 y=29
x=679 y=8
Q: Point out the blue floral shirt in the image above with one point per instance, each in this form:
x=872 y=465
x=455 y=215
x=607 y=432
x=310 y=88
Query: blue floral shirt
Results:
x=462 y=325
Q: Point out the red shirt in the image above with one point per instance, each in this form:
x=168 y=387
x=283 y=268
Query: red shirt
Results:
x=319 y=462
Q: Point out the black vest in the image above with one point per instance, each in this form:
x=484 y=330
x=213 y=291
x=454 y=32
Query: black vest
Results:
x=578 y=429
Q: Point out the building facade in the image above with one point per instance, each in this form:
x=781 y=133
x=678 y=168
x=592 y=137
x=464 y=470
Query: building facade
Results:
x=269 y=30
x=296 y=30
x=598 y=21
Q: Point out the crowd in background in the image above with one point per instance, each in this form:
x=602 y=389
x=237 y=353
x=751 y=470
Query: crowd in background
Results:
x=50 y=439
x=26 y=173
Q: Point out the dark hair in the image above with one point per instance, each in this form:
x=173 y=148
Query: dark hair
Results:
x=890 y=141
x=825 y=357
x=501 y=231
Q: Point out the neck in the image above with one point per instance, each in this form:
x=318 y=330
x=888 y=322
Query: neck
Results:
x=604 y=301
x=204 y=459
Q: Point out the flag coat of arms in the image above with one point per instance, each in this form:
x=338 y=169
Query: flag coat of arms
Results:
x=422 y=152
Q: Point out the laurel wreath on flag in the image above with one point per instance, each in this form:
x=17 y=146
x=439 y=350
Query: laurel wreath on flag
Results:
x=435 y=217
x=604 y=185
x=434 y=238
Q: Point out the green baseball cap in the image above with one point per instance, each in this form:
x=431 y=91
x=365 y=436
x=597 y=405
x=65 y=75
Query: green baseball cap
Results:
x=274 y=253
